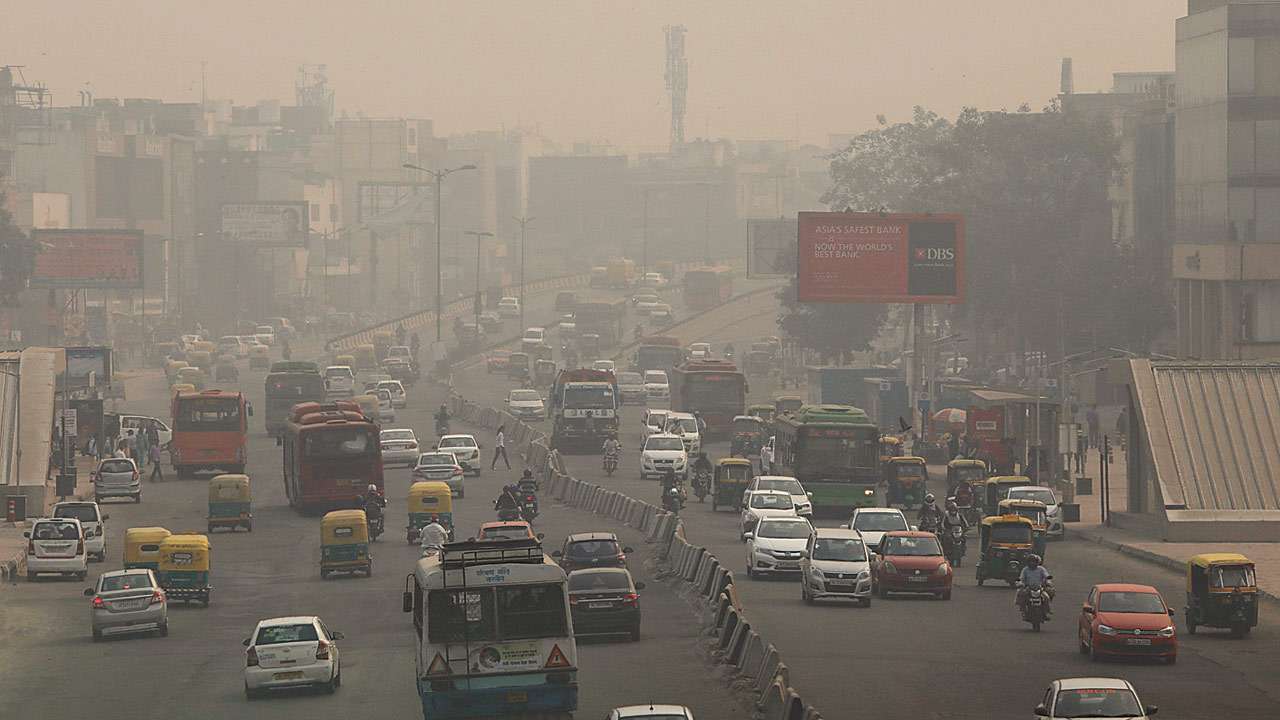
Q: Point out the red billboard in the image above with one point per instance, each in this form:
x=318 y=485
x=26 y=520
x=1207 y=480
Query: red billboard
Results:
x=880 y=258
x=88 y=258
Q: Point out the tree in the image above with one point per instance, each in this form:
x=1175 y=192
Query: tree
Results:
x=17 y=258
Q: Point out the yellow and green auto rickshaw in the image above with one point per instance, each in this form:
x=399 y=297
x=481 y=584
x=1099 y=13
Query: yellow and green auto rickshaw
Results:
x=142 y=547
x=729 y=482
x=1035 y=511
x=259 y=357
x=747 y=435
x=1222 y=592
x=365 y=357
x=787 y=404
x=890 y=448
x=907 y=480
x=171 y=368
x=230 y=502
x=346 y=359
x=184 y=568
x=192 y=376
x=966 y=481
x=764 y=411
x=1005 y=542
x=997 y=489
x=344 y=543
x=429 y=500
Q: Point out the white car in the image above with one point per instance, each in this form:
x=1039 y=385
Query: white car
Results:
x=465 y=450
x=441 y=466
x=533 y=336
x=686 y=427
x=399 y=446
x=339 y=381
x=1052 y=509
x=386 y=410
x=604 y=365
x=127 y=601
x=526 y=405
x=777 y=545
x=291 y=652
x=803 y=500
x=651 y=712
x=509 y=307
x=762 y=505
x=56 y=545
x=231 y=345
x=661 y=315
x=631 y=387
x=399 y=398
x=1093 y=697
x=92 y=521
x=653 y=279
x=700 y=351
x=873 y=523
x=265 y=335
x=661 y=453
x=139 y=423
x=766 y=454
x=653 y=422
x=656 y=386
x=645 y=302
x=835 y=565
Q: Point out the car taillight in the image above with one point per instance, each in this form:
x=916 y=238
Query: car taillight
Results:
x=322 y=651
x=80 y=546
x=156 y=597
x=31 y=547
x=98 y=604
x=457 y=471
x=413 y=446
x=135 y=474
x=631 y=599
x=251 y=658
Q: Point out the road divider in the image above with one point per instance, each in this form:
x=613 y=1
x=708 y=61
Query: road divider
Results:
x=738 y=645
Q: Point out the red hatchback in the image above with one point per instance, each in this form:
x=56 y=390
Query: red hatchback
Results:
x=910 y=561
x=1123 y=620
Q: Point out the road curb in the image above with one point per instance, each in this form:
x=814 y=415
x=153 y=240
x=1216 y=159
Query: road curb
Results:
x=1146 y=555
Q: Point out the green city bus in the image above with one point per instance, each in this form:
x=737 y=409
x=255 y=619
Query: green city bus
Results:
x=834 y=451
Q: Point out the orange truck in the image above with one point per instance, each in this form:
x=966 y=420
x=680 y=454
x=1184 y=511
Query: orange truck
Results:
x=210 y=432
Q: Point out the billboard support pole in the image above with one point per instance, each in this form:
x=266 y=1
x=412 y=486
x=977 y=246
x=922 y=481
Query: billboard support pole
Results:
x=917 y=366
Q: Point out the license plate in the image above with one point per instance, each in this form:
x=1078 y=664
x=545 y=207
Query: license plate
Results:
x=130 y=604
x=919 y=578
x=788 y=565
x=599 y=605
x=297 y=675
x=517 y=697
x=841 y=583
x=1138 y=641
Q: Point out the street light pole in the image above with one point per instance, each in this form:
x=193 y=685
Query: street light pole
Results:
x=438 y=176
x=707 y=229
x=524 y=224
x=479 y=235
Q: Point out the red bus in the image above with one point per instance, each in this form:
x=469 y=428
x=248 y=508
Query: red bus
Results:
x=332 y=454
x=707 y=287
x=210 y=429
x=715 y=389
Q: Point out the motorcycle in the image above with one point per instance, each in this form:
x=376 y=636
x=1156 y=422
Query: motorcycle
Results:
x=931 y=524
x=610 y=463
x=671 y=501
x=442 y=427
x=701 y=484
x=953 y=543
x=373 y=512
x=528 y=507
x=1035 y=605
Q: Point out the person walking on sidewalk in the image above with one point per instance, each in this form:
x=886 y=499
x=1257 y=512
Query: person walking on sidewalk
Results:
x=500 y=449
x=157 y=475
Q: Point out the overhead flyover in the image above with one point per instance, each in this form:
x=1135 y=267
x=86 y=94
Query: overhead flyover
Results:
x=27 y=383
x=1204 y=464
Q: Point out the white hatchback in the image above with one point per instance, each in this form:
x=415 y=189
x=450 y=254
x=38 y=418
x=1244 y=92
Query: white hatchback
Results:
x=873 y=523
x=662 y=453
x=399 y=398
x=291 y=652
x=656 y=385
x=763 y=505
x=56 y=545
x=802 y=499
x=92 y=521
x=465 y=450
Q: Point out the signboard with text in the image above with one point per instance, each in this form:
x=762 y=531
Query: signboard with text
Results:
x=266 y=224
x=880 y=258
x=771 y=247
x=96 y=259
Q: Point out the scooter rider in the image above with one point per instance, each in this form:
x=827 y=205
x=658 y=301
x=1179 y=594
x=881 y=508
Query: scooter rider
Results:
x=953 y=518
x=508 y=501
x=1035 y=575
x=373 y=503
x=442 y=419
x=701 y=469
x=611 y=445
x=434 y=536
x=527 y=483
x=930 y=515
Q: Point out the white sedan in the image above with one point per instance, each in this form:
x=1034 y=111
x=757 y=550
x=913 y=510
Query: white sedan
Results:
x=399 y=446
x=291 y=652
x=776 y=545
x=762 y=505
x=1093 y=697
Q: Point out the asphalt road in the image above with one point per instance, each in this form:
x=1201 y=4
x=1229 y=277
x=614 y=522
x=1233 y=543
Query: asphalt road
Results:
x=49 y=667
x=970 y=657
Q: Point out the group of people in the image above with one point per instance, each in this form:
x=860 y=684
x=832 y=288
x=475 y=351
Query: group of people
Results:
x=519 y=500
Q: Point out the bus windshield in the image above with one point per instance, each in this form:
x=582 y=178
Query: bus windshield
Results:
x=338 y=442
x=294 y=386
x=591 y=396
x=712 y=390
x=519 y=612
x=205 y=414
x=839 y=452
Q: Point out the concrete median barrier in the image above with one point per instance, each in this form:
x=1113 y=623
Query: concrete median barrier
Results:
x=693 y=564
x=723 y=579
x=794 y=708
x=773 y=701
x=723 y=606
x=770 y=669
x=725 y=629
x=737 y=643
x=811 y=713
x=752 y=655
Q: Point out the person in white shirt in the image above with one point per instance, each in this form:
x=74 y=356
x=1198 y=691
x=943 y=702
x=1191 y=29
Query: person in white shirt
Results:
x=434 y=537
x=500 y=449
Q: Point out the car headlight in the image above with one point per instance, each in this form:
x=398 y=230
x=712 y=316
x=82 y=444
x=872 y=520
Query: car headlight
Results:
x=1167 y=632
x=889 y=567
x=1053 y=510
x=865 y=574
x=1106 y=630
x=943 y=569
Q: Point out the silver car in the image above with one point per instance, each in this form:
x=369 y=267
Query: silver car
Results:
x=399 y=446
x=128 y=601
x=441 y=467
x=117 y=477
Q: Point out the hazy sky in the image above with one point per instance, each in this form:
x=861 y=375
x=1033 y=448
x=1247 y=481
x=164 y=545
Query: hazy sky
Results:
x=593 y=70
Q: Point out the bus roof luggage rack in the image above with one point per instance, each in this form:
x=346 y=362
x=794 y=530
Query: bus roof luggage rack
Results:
x=469 y=553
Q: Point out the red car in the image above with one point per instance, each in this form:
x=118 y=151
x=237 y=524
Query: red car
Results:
x=1123 y=620
x=910 y=561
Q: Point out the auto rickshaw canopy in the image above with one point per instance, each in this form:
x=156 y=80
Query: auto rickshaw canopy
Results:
x=1033 y=510
x=430 y=496
x=344 y=527
x=229 y=488
x=184 y=552
x=747 y=424
x=142 y=545
x=738 y=469
x=1012 y=529
x=764 y=411
x=1200 y=566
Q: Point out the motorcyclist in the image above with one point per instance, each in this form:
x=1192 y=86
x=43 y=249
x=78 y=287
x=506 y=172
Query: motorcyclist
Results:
x=611 y=445
x=930 y=516
x=508 y=501
x=1034 y=575
x=701 y=469
x=527 y=483
x=442 y=418
x=374 y=501
x=953 y=518
x=434 y=536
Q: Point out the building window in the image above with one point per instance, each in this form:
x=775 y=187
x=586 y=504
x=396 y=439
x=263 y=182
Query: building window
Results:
x=315 y=212
x=333 y=212
x=1262 y=313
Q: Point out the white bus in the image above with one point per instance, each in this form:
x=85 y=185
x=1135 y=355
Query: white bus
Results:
x=495 y=635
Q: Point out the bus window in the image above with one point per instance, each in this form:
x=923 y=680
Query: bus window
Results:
x=511 y=613
x=337 y=443
x=531 y=611
x=460 y=615
x=205 y=415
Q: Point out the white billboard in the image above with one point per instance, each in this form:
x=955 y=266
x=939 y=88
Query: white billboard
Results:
x=266 y=224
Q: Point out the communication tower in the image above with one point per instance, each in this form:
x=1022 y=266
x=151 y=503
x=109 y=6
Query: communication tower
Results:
x=677 y=77
x=312 y=89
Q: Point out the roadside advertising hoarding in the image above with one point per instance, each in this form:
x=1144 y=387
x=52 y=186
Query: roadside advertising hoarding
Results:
x=772 y=247
x=880 y=258
x=98 y=259
x=81 y=361
x=266 y=224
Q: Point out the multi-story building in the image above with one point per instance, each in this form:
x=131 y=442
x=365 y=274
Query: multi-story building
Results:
x=1226 y=264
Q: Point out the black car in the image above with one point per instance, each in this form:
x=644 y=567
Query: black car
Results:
x=605 y=601
x=591 y=550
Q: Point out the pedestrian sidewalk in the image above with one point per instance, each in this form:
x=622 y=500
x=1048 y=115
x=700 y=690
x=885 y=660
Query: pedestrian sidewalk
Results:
x=13 y=545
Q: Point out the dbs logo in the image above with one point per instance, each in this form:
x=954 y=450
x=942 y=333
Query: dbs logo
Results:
x=935 y=254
